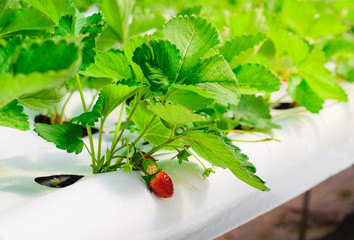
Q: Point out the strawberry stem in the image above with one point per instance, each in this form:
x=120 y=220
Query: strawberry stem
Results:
x=89 y=133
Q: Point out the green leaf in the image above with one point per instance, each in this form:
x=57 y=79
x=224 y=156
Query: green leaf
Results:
x=91 y=27
x=4 y=8
x=175 y=115
x=159 y=60
x=191 y=96
x=297 y=48
x=190 y=11
x=107 y=40
x=109 y=65
x=225 y=92
x=44 y=56
x=12 y=116
x=24 y=19
x=35 y=68
x=241 y=49
x=129 y=48
x=212 y=69
x=191 y=99
x=89 y=118
x=221 y=153
x=351 y=75
x=66 y=137
x=191 y=88
x=298 y=15
x=335 y=47
x=319 y=79
x=302 y=18
x=287 y=43
x=145 y=20
x=6 y=53
x=95 y=83
x=255 y=78
x=251 y=22
x=320 y=27
x=16 y=86
x=113 y=95
x=214 y=74
x=65 y=26
x=53 y=8
x=156 y=133
x=193 y=36
x=44 y=98
x=345 y=69
x=302 y=93
x=117 y=13
x=253 y=112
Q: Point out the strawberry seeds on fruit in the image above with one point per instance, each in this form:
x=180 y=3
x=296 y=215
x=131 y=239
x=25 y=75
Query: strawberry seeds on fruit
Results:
x=162 y=185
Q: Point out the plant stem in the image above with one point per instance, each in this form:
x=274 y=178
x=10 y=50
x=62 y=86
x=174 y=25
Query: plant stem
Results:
x=195 y=157
x=63 y=108
x=93 y=99
x=142 y=134
x=244 y=131
x=100 y=139
x=118 y=124
x=155 y=149
x=89 y=133
x=119 y=156
x=278 y=100
x=255 y=141
x=56 y=109
x=116 y=150
x=125 y=125
x=51 y=117
x=88 y=150
x=199 y=127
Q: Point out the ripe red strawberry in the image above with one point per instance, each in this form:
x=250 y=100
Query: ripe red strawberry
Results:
x=162 y=185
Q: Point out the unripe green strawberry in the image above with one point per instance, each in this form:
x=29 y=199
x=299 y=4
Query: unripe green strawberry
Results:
x=150 y=167
x=162 y=185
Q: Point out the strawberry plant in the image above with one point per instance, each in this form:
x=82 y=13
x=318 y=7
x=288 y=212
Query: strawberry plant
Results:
x=164 y=70
x=167 y=88
x=178 y=85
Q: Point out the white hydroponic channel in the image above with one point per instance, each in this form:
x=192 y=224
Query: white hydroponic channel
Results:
x=117 y=205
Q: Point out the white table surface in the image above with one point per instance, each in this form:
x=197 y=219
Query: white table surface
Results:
x=117 y=205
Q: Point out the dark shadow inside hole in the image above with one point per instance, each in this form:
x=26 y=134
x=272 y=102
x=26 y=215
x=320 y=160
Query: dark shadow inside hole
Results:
x=58 y=181
x=285 y=105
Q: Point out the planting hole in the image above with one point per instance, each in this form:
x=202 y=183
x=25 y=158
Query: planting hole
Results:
x=58 y=181
x=285 y=105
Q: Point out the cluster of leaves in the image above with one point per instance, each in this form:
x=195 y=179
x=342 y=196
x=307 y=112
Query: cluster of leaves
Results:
x=172 y=84
x=297 y=46
x=36 y=63
x=293 y=39
x=176 y=84
x=180 y=84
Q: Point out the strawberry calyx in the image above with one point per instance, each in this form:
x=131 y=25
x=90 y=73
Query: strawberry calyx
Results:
x=138 y=159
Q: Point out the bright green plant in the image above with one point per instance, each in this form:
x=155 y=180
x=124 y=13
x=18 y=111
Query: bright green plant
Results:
x=163 y=69
x=181 y=85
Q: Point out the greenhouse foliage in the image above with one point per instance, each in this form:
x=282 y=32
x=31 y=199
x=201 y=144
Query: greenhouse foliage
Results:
x=184 y=74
